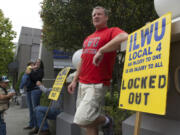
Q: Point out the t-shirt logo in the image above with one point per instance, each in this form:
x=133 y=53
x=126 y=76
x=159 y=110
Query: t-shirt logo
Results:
x=90 y=45
x=91 y=42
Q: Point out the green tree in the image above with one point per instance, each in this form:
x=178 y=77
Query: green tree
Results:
x=6 y=44
x=66 y=24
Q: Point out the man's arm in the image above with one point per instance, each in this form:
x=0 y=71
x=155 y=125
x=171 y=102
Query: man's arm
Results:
x=112 y=45
x=73 y=84
x=42 y=88
x=8 y=96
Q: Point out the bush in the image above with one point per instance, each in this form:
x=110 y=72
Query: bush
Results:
x=44 y=100
x=118 y=115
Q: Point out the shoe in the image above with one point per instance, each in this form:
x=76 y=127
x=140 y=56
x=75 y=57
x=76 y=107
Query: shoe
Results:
x=34 y=131
x=28 y=127
x=45 y=132
x=108 y=129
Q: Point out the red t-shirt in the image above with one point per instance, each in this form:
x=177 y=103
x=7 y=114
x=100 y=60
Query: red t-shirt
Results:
x=103 y=73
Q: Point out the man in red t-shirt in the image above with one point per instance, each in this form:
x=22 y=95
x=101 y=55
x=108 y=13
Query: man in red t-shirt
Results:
x=94 y=73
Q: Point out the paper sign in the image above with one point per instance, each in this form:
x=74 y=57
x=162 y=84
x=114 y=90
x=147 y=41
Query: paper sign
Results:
x=58 y=84
x=146 y=67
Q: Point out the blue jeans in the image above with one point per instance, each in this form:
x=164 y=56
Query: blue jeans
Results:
x=2 y=126
x=40 y=113
x=24 y=81
x=33 y=100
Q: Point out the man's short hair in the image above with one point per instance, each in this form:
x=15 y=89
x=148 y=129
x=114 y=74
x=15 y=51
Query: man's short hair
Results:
x=106 y=12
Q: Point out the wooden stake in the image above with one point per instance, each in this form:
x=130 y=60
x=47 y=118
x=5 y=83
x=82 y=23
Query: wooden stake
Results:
x=42 y=123
x=137 y=123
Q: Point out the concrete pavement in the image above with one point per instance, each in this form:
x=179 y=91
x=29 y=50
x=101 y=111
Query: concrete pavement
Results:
x=16 y=118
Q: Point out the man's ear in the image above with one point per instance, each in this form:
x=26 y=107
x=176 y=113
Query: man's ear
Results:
x=107 y=18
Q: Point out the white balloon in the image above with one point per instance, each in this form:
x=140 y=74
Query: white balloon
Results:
x=76 y=58
x=164 y=6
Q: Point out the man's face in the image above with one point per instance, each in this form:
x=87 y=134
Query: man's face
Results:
x=4 y=84
x=99 y=18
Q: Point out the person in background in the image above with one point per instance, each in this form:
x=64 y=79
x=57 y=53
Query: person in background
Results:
x=33 y=92
x=25 y=78
x=40 y=111
x=94 y=73
x=4 y=102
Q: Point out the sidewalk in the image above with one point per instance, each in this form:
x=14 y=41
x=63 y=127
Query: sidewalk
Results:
x=16 y=118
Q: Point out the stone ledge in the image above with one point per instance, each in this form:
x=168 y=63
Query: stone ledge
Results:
x=175 y=31
x=152 y=125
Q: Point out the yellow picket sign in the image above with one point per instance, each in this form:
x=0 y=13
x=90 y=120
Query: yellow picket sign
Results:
x=58 y=84
x=146 y=67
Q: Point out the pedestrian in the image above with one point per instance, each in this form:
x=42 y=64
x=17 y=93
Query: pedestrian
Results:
x=33 y=92
x=40 y=111
x=94 y=73
x=5 y=96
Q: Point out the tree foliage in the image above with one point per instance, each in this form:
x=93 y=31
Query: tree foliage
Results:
x=66 y=24
x=6 y=44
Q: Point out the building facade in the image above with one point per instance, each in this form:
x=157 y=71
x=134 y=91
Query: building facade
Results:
x=29 y=49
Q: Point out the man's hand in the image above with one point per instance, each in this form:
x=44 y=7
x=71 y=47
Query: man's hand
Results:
x=72 y=87
x=97 y=58
x=10 y=95
x=38 y=83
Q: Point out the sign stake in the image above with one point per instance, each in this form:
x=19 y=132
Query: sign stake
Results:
x=137 y=123
x=42 y=123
